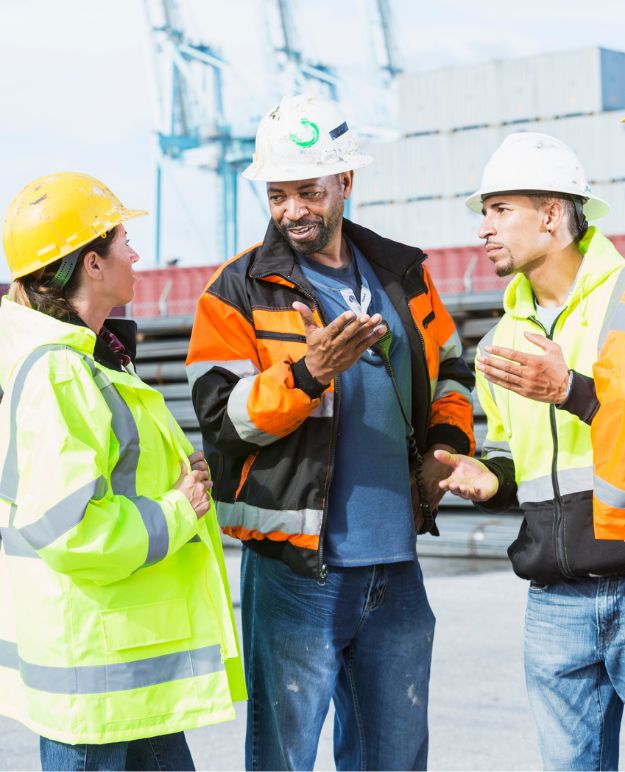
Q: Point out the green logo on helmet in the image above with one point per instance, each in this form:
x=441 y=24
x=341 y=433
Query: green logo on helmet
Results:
x=313 y=134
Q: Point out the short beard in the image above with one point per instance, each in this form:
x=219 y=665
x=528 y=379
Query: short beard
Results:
x=505 y=269
x=326 y=230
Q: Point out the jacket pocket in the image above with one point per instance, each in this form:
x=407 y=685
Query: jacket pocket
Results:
x=533 y=552
x=149 y=625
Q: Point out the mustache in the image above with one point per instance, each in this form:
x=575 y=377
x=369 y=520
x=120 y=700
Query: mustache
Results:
x=301 y=224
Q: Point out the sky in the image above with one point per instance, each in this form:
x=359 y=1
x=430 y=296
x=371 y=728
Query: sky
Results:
x=78 y=86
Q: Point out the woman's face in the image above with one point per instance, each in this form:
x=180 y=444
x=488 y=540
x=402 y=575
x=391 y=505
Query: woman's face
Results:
x=119 y=276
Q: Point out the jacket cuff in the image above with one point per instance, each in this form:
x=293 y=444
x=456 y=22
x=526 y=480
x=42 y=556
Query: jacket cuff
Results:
x=505 y=498
x=448 y=434
x=305 y=381
x=581 y=400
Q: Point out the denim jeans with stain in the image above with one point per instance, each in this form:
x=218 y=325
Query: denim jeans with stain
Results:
x=575 y=670
x=362 y=639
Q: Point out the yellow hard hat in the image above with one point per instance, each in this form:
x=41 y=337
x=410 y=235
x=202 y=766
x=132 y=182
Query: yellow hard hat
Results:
x=56 y=215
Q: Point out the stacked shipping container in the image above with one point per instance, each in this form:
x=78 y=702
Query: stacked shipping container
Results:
x=453 y=119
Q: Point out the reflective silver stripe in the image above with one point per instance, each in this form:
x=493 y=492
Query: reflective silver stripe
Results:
x=16 y=545
x=291 y=521
x=452 y=348
x=569 y=481
x=325 y=409
x=117 y=677
x=495 y=449
x=64 y=515
x=614 y=318
x=124 y=475
x=488 y=339
x=609 y=494
x=67 y=513
x=237 y=413
x=8 y=655
x=239 y=367
x=443 y=388
x=9 y=477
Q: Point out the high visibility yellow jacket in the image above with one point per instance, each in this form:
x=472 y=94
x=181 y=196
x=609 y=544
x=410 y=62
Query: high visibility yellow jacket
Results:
x=116 y=621
x=548 y=450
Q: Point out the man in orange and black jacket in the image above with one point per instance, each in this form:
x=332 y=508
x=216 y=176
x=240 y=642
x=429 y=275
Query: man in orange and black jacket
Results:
x=321 y=443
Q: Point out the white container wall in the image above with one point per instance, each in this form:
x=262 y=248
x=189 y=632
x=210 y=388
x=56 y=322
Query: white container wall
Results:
x=614 y=194
x=451 y=163
x=447 y=222
x=538 y=87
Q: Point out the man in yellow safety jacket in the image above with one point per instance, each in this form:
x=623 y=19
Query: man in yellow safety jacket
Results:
x=534 y=379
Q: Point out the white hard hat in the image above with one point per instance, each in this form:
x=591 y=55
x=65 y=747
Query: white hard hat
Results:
x=304 y=137
x=529 y=161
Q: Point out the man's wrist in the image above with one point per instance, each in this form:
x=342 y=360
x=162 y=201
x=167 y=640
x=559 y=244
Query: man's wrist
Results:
x=306 y=381
x=320 y=375
x=567 y=389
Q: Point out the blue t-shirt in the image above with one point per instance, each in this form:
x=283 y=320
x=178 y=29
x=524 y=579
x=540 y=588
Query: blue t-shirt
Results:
x=369 y=510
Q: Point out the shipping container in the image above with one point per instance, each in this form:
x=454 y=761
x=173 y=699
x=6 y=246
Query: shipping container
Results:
x=169 y=291
x=510 y=91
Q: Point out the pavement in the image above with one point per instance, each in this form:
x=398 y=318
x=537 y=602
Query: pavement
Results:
x=479 y=718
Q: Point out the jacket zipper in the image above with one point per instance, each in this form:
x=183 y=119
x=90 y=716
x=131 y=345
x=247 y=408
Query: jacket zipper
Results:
x=322 y=568
x=561 y=559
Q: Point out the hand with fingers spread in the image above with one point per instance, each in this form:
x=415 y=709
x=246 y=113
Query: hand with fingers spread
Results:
x=336 y=347
x=468 y=478
x=542 y=377
x=196 y=484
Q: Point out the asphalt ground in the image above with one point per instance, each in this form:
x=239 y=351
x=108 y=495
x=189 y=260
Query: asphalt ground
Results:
x=479 y=718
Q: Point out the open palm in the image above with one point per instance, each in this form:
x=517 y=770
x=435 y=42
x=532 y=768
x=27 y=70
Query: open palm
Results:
x=469 y=478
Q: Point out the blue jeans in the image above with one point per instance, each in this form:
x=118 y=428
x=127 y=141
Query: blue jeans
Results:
x=575 y=670
x=364 y=639
x=168 y=751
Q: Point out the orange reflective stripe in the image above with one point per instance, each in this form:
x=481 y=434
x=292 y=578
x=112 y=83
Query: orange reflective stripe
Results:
x=304 y=541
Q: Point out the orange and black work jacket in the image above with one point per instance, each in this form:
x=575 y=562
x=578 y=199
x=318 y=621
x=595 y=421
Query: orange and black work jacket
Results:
x=269 y=433
x=608 y=428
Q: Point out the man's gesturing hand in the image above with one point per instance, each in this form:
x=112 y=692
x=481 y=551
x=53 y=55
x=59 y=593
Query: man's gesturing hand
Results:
x=469 y=478
x=543 y=377
x=335 y=348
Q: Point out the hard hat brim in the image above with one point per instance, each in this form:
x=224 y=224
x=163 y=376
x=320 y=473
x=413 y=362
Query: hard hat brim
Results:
x=594 y=207
x=35 y=265
x=264 y=172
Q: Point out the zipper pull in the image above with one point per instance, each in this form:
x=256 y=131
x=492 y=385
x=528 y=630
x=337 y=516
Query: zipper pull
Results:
x=323 y=573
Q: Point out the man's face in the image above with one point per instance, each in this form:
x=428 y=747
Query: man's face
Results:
x=309 y=212
x=512 y=228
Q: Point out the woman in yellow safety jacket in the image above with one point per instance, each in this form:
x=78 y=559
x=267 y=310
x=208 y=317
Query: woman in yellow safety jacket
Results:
x=116 y=632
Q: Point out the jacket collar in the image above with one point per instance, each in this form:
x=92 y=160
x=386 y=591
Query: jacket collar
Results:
x=124 y=329
x=600 y=260
x=275 y=257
